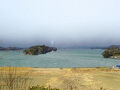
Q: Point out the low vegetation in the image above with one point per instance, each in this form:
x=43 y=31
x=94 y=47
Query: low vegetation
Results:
x=42 y=88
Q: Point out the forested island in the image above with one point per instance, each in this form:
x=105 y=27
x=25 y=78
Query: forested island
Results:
x=112 y=52
x=36 y=50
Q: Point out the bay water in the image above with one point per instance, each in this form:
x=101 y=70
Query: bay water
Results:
x=59 y=59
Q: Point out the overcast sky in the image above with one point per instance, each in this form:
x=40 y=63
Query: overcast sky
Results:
x=59 y=22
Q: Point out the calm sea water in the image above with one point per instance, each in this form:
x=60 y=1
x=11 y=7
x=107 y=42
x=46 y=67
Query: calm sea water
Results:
x=60 y=58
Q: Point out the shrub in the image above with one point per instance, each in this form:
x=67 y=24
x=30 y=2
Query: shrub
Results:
x=42 y=88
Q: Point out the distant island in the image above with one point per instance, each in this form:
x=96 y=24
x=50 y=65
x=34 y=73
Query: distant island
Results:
x=10 y=48
x=36 y=50
x=99 y=48
x=105 y=47
x=112 y=52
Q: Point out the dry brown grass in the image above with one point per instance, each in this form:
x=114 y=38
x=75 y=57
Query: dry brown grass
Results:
x=13 y=78
x=62 y=78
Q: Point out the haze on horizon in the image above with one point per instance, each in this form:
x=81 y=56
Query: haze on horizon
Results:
x=61 y=23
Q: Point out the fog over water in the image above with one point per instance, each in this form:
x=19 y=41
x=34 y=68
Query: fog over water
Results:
x=60 y=23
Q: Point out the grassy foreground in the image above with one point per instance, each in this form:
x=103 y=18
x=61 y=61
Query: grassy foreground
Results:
x=23 y=78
